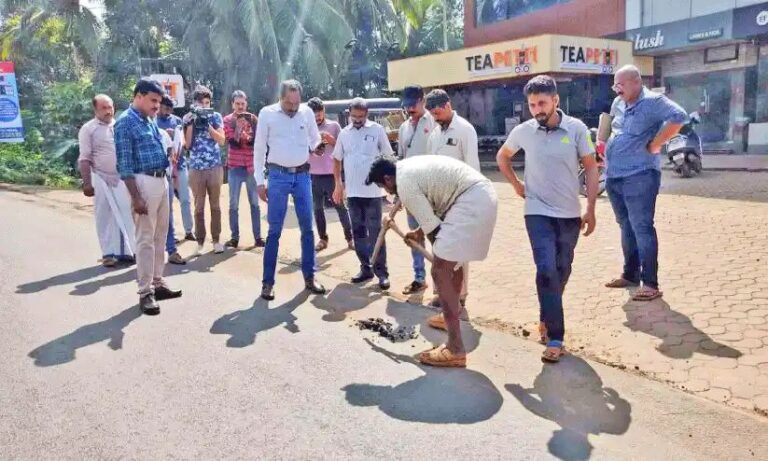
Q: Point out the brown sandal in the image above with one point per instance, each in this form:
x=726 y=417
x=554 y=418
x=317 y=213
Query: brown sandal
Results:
x=437 y=321
x=543 y=333
x=442 y=357
x=647 y=294
x=553 y=352
x=620 y=283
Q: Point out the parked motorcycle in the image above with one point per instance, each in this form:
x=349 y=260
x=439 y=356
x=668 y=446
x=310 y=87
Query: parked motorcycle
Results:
x=600 y=157
x=684 y=150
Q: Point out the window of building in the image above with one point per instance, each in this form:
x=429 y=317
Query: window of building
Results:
x=491 y=11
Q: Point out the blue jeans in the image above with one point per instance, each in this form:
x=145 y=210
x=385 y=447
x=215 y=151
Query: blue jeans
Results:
x=184 y=200
x=236 y=177
x=633 y=199
x=170 y=240
x=419 y=269
x=365 y=214
x=553 y=241
x=280 y=186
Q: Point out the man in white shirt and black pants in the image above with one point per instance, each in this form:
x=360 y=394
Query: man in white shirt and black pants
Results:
x=289 y=132
x=357 y=146
x=413 y=137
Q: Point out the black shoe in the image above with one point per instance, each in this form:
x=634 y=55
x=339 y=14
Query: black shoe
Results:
x=190 y=237
x=362 y=277
x=314 y=287
x=232 y=243
x=162 y=293
x=384 y=283
x=260 y=243
x=148 y=305
x=267 y=292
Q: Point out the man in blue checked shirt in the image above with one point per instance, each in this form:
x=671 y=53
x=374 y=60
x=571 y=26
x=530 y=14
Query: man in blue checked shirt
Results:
x=142 y=164
x=634 y=175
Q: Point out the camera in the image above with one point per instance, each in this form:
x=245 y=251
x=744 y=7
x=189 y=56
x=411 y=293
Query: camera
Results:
x=201 y=117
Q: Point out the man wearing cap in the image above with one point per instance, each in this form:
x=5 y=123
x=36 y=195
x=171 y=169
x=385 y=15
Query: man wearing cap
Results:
x=414 y=134
x=453 y=137
x=456 y=207
x=358 y=145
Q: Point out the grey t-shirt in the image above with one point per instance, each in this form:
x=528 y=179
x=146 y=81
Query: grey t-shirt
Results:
x=552 y=165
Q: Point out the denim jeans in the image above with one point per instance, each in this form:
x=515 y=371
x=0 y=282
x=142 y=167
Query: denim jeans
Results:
x=633 y=199
x=184 y=199
x=365 y=214
x=170 y=240
x=553 y=241
x=419 y=269
x=236 y=177
x=322 y=188
x=280 y=185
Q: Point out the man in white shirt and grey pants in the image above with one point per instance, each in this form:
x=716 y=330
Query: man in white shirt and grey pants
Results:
x=413 y=137
x=287 y=130
x=357 y=146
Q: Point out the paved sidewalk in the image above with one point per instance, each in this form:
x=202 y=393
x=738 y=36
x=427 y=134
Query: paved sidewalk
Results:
x=709 y=334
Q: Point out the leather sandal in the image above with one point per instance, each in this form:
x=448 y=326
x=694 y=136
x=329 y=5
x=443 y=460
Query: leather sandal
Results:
x=441 y=356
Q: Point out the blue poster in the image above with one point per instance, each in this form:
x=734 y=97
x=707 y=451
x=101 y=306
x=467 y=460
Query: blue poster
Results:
x=11 y=129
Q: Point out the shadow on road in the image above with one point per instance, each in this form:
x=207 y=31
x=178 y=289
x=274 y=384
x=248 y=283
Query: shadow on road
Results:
x=321 y=262
x=79 y=275
x=345 y=298
x=62 y=350
x=243 y=326
x=571 y=394
x=440 y=396
x=403 y=313
x=680 y=338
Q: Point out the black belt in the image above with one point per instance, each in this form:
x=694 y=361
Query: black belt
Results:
x=155 y=173
x=290 y=170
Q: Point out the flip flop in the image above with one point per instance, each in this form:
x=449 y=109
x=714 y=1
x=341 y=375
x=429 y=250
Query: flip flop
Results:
x=647 y=294
x=442 y=357
x=620 y=283
x=549 y=356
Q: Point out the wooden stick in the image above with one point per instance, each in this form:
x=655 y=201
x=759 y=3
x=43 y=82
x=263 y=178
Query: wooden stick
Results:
x=413 y=244
x=383 y=232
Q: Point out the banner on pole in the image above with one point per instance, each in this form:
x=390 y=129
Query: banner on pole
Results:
x=11 y=128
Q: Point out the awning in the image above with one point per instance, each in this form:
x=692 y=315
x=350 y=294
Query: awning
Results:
x=516 y=58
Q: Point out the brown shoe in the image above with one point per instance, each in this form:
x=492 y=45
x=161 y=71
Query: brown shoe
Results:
x=176 y=258
x=437 y=321
x=321 y=245
x=109 y=261
x=415 y=287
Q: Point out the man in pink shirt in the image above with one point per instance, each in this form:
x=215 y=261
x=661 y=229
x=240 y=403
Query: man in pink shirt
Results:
x=239 y=131
x=321 y=171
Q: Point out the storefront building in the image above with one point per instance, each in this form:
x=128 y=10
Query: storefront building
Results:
x=750 y=24
x=704 y=67
x=486 y=82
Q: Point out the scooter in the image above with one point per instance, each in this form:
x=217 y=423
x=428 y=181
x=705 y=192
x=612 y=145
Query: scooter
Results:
x=600 y=157
x=684 y=150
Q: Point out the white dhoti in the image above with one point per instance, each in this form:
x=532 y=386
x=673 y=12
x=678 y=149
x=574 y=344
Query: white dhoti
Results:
x=467 y=228
x=114 y=218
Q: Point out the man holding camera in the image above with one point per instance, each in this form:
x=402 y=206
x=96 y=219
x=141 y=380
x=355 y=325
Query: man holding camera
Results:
x=204 y=134
x=240 y=130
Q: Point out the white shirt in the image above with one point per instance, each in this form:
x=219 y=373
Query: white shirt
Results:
x=358 y=148
x=287 y=139
x=413 y=140
x=428 y=186
x=459 y=141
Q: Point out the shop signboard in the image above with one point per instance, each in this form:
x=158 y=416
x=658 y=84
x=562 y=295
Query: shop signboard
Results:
x=583 y=58
x=663 y=38
x=11 y=128
x=750 y=21
x=174 y=87
x=518 y=61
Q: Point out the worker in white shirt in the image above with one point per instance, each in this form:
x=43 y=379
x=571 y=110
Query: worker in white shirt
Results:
x=357 y=146
x=453 y=137
x=456 y=208
x=289 y=132
x=412 y=141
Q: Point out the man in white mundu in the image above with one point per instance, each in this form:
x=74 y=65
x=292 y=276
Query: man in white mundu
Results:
x=111 y=201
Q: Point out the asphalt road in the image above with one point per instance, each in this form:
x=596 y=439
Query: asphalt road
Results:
x=221 y=374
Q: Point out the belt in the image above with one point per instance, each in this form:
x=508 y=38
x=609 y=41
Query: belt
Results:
x=290 y=170
x=155 y=173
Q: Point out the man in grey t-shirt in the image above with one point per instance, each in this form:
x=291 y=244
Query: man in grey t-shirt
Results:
x=554 y=144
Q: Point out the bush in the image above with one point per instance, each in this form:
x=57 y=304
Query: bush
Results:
x=25 y=164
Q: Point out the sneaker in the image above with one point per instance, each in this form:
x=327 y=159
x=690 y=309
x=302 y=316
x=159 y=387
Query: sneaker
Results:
x=218 y=248
x=198 y=251
x=232 y=243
